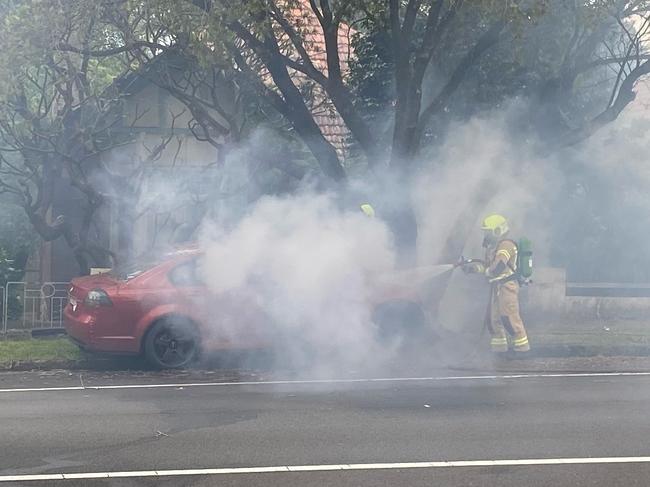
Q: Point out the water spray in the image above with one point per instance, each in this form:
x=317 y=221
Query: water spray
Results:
x=462 y=261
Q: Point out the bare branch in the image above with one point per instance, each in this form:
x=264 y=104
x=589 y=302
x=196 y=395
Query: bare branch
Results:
x=432 y=33
x=136 y=45
x=624 y=97
x=412 y=9
x=317 y=12
x=612 y=60
x=396 y=28
x=293 y=34
x=487 y=40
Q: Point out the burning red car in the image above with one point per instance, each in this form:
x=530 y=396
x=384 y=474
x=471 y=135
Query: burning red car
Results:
x=161 y=309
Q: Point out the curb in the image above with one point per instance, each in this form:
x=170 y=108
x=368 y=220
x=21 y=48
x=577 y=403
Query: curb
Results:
x=538 y=352
x=567 y=351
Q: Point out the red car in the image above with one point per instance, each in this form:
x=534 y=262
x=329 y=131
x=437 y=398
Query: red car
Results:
x=162 y=310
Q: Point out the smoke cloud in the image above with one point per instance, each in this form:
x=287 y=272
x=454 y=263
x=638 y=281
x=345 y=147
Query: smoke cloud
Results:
x=317 y=266
x=310 y=267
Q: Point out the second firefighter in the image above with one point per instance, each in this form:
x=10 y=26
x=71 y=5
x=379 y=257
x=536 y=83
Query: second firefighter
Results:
x=500 y=266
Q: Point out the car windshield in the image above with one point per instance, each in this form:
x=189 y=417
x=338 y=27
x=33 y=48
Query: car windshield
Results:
x=131 y=270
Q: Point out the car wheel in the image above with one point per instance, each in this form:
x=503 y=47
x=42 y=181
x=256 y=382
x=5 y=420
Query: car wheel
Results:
x=171 y=343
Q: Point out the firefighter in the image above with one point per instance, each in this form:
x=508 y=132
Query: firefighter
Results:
x=403 y=228
x=500 y=268
x=368 y=210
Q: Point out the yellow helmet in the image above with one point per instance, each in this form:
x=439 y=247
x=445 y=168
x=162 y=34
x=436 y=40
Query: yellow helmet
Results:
x=497 y=225
x=368 y=210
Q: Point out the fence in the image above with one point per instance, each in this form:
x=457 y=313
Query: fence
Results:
x=29 y=306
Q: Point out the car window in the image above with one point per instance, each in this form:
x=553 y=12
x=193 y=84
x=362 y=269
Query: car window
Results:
x=185 y=275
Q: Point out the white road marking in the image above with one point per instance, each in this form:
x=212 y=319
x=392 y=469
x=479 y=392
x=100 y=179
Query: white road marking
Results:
x=324 y=468
x=328 y=381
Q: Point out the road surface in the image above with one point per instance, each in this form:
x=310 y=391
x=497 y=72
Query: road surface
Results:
x=528 y=429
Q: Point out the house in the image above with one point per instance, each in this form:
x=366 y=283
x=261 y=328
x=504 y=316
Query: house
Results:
x=164 y=198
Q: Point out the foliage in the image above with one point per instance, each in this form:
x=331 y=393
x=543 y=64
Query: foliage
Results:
x=453 y=55
x=53 y=113
x=17 y=237
x=557 y=42
x=372 y=68
x=17 y=241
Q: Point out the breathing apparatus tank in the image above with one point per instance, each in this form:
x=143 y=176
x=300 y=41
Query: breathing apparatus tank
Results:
x=525 y=259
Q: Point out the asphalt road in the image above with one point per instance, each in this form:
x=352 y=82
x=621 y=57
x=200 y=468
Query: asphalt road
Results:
x=396 y=423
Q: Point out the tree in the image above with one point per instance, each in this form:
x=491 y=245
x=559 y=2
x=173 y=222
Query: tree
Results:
x=570 y=62
x=291 y=54
x=60 y=111
x=575 y=62
x=50 y=112
x=275 y=46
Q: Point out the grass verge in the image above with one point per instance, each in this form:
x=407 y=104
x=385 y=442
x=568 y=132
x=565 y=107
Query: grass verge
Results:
x=35 y=350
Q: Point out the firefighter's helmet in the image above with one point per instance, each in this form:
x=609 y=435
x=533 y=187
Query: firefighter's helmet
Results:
x=495 y=225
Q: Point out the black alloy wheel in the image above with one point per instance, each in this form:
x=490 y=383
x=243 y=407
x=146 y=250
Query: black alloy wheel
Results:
x=171 y=344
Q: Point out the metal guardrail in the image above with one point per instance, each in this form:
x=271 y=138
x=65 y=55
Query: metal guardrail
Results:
x=30 y=306
x=608 y=290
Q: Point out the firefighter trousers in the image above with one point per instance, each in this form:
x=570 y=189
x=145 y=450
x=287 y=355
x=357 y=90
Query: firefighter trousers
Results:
x=505 y=320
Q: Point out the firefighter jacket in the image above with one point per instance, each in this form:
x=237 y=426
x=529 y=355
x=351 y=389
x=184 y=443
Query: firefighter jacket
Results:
x=501 y=262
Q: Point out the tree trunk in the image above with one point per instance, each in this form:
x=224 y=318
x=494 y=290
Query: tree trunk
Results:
x=395 y=208
x=300 y=116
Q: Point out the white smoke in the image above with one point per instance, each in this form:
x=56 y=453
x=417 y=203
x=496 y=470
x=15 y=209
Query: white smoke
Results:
x=481 y=156
x=311 y=268
x=315 y=269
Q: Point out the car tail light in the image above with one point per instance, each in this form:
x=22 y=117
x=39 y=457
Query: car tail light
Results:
x=97 y=298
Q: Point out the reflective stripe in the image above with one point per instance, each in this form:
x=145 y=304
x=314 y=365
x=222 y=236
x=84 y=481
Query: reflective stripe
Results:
x=522 y=348
x=505 y=253
x=499 y=341
x=477 y=268
x=521 y=341
x=501 y=277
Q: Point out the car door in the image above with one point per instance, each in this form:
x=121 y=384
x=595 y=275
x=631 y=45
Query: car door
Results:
x=229 y=320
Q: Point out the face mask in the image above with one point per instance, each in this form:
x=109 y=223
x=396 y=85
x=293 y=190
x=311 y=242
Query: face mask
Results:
x=489 y=240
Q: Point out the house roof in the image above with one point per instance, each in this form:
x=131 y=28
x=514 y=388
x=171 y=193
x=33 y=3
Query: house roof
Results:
x=136 y=81
x=303 y=18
